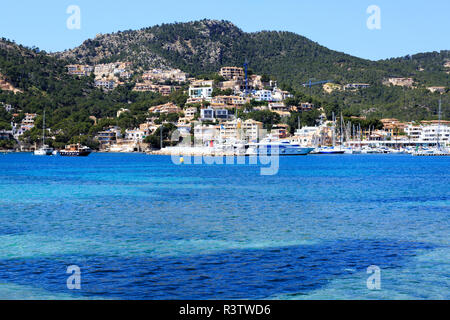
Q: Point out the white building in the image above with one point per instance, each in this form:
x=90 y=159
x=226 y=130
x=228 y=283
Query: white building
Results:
x=105 y=84
x=428 y=134
x=135 y=135
x=7 y=107
x=200 y=92
x=280 y=95
x=308 y=135
x=205 y=133
x=249 y=130
x=263 y=95
x=190 y=113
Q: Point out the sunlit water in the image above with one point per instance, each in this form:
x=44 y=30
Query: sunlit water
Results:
x=140 y=227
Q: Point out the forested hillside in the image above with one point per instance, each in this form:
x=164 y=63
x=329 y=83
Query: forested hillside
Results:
x=205 y=46
x=202 y=47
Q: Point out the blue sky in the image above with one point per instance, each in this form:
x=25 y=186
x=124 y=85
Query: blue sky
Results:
x=407 y=27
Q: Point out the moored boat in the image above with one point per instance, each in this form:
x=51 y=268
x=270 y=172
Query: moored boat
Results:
x=75 y=150
x=331 y=150
x=45 y=150
x=282 y=148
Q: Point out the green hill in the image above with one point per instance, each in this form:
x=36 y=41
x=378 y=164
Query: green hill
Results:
x=203 y=47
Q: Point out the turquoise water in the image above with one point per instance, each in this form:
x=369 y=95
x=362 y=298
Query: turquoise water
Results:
x=140 y=227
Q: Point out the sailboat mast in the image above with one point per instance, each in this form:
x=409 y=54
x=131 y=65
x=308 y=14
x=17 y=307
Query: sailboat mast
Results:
x=334 y=130
x=439 y=125
x=43 y=131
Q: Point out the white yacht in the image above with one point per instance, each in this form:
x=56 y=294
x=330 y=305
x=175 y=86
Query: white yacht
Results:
x=282 y=148
x=331 y=150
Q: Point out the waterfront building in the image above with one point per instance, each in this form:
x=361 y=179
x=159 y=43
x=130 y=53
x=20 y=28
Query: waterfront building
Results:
x=205 y=133
x=184 y=129
x=309 y=136
x=280 y=131
x=241 y=130
x=108 y=137
x=6 y=134
x=135 y=135
x=393 y=127
x=426 y=134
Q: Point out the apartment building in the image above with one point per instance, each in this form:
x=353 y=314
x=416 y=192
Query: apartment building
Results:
x=280 y=95
x=232 y=73
x=190 y=113
x=200 y=92
x=428 y=133
x=29 y=119
x=105 y=84
x=263 y=95
x=278 y=106
x=210 y=114
x=393 y=127
x=237 y=129
x=228 y=101
x=175 y=75
x=165 y=108
x=150 y=87
x=206 y=132
x=108 y=137
x=79 y=69
x=135 y=135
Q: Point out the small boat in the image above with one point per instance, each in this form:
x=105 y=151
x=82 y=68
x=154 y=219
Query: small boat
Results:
x=436 y=152
x=45 y=150
x=75 y=150
x=331 y=150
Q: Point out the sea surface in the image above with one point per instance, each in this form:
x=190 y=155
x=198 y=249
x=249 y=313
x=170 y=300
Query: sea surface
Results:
x=141 y=227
